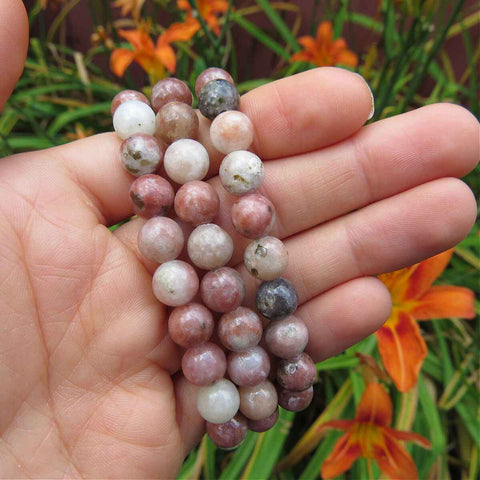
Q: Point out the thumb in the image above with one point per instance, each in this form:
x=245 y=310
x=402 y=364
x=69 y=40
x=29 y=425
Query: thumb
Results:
x=13 y=45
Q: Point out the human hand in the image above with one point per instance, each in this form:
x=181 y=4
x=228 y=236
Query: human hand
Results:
x=86 y=361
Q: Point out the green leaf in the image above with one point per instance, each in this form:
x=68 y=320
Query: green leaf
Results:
x=240 y=457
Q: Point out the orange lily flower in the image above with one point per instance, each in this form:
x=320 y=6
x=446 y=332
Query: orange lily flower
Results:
x=208 y=9
x=400 y=343
x=370 y=436
x=323 y=50
x=130 y=6
x=152 y=58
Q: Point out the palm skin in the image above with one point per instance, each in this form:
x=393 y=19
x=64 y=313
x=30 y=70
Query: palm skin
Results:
x=85 y=360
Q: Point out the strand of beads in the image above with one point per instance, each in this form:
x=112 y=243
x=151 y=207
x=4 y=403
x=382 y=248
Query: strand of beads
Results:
x=166 y=135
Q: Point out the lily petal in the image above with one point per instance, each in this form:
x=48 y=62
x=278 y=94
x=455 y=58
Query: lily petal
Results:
x=402 y=349
x=375 y=406
x=347 y=57
x=444 y=301
x=139 y=39
x=307 y=42
x=180 y=32
x=325 y=33
x=408 y=437
x=343 y=455
x=167 y=57
x=301 y=57
x=120 y=60
x=337 y=424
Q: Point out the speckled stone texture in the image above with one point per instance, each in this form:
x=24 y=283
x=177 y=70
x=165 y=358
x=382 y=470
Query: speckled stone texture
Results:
x=276 y=299
x=170 y=90
x=197 y=202
x=240 y=330
x=190 y=325
x=253 y=215
x=133 y=117
x=176 y=120
x=141 y=154
x=296 y=374
x=295 y=401
x=287 y=338
x=186 y=160
x=203 y=364
x=218 y=402
x=241 y=172
x=211 y=74
x=152 y=196
x=266 y=258
x=230 y=434
x=222 y=290
x=248 y=368
x=217 y=97
x=231 y=131
x=263 y=424
x=126 y=96
x=259 y=401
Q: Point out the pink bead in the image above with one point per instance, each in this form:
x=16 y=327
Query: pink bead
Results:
x=249 y=367
x=230 y=434
x=287 y=338
x=209 y=246
x=160 y=239
x=211 y=74
x=197 y=202
x=264 y=424
x=204 y=364
x=266 y=258
x=295 y=401
x=175 y=283
x=258 y=402
x=222 y=290
x=240 y=330
x=296 y=374
x=253 y=215
x=176 y=120
x=152 y=196
x=170 y=90
x=126 y=96
x=231 y=131
x=141 y=154
x=190 y=325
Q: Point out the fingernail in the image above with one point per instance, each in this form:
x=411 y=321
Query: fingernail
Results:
x=372 y=111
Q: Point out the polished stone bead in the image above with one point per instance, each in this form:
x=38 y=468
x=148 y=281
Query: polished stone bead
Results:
x=241 y=172
x=141 y=154
x=217 y=97
x=133 y=117
x=176 y=120
x=126 y=96
x=204 y=363
x=228 y=435
x=160 y=239
x=259 y=401
x=222 y=290
x=197 y=202
x=175 y=283
x=276 y=299
x=296 y=374
x=253 y=215
x=218 y=402
x=263 y=424
x=240 y=330
x=209 y=246
x=209 y=75
x=170 y=90
x=266 y=258
x=190 y=325
x=287 y=338
x=295 y=401
x=249 y=367
x=231 y=131
x=152 y=196
x=186 y=160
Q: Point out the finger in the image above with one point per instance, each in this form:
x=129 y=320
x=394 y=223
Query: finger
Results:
x=13 y=45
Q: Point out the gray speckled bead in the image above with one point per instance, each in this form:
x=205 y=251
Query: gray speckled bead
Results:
x=266 y=258
x=287 y=338
x=296 y=374
x=160 y=239
x=216 y=97
x=141 y=154
x=209 y=246
x=276 y=299
x=241 y=172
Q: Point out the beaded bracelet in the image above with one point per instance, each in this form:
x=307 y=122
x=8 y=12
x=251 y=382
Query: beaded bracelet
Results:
x=164 y=133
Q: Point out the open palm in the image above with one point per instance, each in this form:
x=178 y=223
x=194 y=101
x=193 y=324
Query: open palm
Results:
x=85 y=359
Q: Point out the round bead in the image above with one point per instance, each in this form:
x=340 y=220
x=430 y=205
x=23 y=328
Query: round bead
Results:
x=295 y=401
x=240 y=330
x=222 y=290
x=126 y=96
x=209 y=246
x=141 y=154
x=218 y=402
x=216 y=97
x=190 y=325
x=253 y=215
x=248 y=368
x=160 y=239
x=175 y=283
x=204 y=364
x=259 y=401
x=196 y=202
x=230 y=434
x=231 y=131
x=186 y=160
x=211 y=74
x=241 y=172
x=264 y=424
x=176 y=120
x=266 y=258
x=133 y=117
x=276 y=299
x=152 y=196
x=287 y=338
x=296 y=374
x=170 y=90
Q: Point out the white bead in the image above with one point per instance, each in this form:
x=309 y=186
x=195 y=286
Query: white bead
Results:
x=133 y=117
x=231 y=131
x=186 y=160
x=266 y=258
x=218 y=402
x=241 y=172
x=209 y=246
